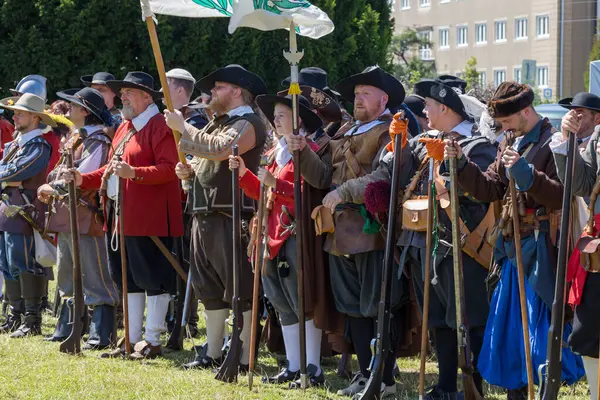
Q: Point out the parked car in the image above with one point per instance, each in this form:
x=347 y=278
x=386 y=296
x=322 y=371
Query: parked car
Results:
x=554 y=112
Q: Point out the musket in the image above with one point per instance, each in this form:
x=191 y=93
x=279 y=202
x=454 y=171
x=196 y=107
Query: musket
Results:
x=72 y=344
x=552 y=382
x=426 y=279
x=229 y=369
x=256 y=289
x=462 y=330
x=13 y=210
x=517 y=212
x=381 y=345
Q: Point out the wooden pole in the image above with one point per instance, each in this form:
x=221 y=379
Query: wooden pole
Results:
x=160 y=66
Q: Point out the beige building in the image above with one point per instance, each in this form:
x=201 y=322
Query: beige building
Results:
x=501 y=34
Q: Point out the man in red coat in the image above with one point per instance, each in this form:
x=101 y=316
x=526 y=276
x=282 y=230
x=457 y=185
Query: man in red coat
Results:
x=151 y=207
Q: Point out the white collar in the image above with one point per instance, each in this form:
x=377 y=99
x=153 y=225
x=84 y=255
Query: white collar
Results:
x=91 y=129
x=360 y=127
x=239 y=111
x=282 y=153
x=465 y=128
x=142 y=119
x=23 y=138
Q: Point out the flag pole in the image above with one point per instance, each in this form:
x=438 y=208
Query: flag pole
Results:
x=293 y=56
x=160 y=66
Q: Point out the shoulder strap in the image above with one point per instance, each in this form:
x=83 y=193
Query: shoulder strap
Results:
x=120 y=148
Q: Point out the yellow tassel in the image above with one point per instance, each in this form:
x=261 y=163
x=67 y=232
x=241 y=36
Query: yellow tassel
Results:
x=294 y=88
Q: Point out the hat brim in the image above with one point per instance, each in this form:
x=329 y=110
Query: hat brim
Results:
x=234 y=76
x=116 y=86
x=376 y=78
x=568 y=104
x=330 y=111
x=44 y=118
x=267 y=102
x=76 y=100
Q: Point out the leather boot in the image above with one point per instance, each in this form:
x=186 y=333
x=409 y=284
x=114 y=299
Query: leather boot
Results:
x=193 y=318
x=63 y=328
x=15 y=302
x=102 y=328
x=32 y=290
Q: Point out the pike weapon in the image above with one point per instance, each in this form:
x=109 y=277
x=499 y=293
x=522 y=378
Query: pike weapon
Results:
x=464 y=350
x=120 y=219
x=72 y=344
x=229 y=369
x=381 y=345
x=517 y=211
x=553 y=363
x=426 y=279
x=260 y=217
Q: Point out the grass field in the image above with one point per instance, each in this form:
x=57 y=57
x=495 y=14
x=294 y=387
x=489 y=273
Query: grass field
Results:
x=33 y=369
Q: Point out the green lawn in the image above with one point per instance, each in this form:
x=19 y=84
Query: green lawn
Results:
x=33 y=369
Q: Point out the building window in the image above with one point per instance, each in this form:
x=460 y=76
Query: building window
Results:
x=542 y=26
x=480 y=33
x=500 y=31
x=482 y=79
x=517 y=74
x=405 y=4
x=425 y=50
x=542 y=76
x=499 y=76
x=424 y=3
x=462 y=33
x=520 y=28
x=444 y=42
x=444 y=1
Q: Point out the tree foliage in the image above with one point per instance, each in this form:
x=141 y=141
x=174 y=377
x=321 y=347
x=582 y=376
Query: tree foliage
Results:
x=64 y=39
x=470 y=74
x=408 y=66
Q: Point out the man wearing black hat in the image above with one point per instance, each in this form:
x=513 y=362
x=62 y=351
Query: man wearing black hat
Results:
x=355 y=257
x=141 y=170
x=90 y=145
x=447 y=116
x=529 y=160
x=233 y=91
x=583 y=296
x=99 y=81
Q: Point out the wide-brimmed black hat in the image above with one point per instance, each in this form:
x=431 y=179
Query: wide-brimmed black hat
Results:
x=88 y=98
x=99 y=78
x=582 y=100
x=373 y=76
x=453 y=82
x=136 y=80
x=236 y=75
x=328 y=108
x=314 y=77
x=310 y=120
x=443 y=94
x=416 y=104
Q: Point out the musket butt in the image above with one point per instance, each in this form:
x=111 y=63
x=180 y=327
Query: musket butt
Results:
x=303 y=381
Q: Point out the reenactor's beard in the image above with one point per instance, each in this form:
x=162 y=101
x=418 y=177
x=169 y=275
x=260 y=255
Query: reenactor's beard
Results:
x=128 y=112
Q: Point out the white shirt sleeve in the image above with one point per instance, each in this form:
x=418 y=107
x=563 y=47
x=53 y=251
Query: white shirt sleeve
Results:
x=92 y=162
x=558 y=144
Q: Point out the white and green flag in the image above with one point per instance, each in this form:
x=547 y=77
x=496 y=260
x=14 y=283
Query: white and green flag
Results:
x=267 y=15
x=188 y=8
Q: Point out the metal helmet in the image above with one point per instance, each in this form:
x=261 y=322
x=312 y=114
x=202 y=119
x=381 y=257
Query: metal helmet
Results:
x=34 y=84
